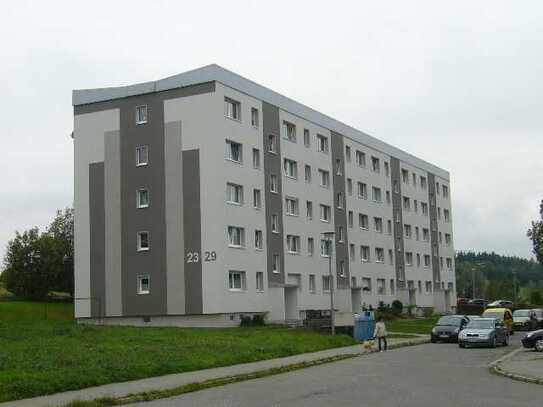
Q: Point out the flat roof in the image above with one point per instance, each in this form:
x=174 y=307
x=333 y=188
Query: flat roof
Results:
x=217 y=73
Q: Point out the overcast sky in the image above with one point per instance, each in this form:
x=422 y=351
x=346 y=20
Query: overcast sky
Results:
x=457 y=83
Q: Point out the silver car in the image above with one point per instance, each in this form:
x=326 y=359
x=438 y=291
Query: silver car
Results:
x=484 y=332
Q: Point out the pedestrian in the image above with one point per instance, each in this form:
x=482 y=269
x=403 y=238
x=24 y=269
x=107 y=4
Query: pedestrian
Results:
x=381 y=334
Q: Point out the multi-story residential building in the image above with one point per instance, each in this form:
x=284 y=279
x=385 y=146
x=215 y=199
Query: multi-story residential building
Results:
x=204 y=196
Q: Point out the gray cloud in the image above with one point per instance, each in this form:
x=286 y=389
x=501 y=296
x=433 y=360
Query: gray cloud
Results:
x=456 y=83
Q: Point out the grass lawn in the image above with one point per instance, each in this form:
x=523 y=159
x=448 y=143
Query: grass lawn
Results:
x=42 y=350
x=412 y=326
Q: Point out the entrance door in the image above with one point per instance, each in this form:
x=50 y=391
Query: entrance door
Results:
x=291 y=303
x=356 y=300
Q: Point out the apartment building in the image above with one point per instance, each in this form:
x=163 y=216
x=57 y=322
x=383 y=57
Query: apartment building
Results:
x=204 y=196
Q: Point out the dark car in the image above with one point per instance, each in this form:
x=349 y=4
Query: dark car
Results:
x=533 y=340
x=478 y=301
x=501 y=304
x=484 y=332
x=448 y=327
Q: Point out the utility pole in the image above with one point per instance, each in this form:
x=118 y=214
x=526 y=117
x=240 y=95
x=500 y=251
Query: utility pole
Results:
x=329 y=236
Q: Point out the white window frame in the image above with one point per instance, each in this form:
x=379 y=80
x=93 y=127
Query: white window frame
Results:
x=256 y=158
x=229 y=156
x=289 y=131
x=291 y=168
x=234 y=191
x=254 y=117
x=259 y=279
x=236 y=233
x=142 y=151
x=276 y=263
x=307 y=138
x=274 y=184
x=139 y=193
x=142 y=118
x=293 y=244
x=232 y=109
x=259 y=239
x=257 y=198
x=365 y=254
x=139 y=247
x=325 y=210
x=140 y=288
x=232 y=281
x=322 y=144
x=274 y=223
x=312 y=284
x=324 y=178
x=360 y=158
x=292 y=207
x=272 y=143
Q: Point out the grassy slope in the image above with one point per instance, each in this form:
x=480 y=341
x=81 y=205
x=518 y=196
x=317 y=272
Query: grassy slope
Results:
x=412 y=326
x=43 y=351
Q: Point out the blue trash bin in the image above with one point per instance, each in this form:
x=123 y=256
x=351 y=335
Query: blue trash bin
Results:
x=364 y=326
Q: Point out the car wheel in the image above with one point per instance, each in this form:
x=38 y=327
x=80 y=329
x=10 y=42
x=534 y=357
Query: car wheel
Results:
x=506 y=340
x=461 y=345
x=433 y=340
x=539 y=345
x=493 y=342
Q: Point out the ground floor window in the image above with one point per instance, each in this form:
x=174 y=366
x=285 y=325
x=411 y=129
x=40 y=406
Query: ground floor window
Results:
x=236 y=280
x=259 y=281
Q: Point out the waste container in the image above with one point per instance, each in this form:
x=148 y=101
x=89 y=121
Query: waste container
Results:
x=364 y=326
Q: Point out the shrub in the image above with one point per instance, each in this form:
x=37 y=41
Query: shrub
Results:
x=397 y=307
x=427 y=312
x=258 y=320
x=245 y=321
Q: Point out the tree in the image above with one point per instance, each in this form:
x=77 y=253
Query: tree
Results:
x=61 y=230
x=536 y=298
x=535 y=233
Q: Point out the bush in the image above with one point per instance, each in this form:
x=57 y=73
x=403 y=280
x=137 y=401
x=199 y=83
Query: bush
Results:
x=259 y=320
x=256 y=320
x=397 y=307
x=535 y=298
x=427 y=312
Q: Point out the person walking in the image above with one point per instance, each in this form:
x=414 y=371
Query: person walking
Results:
x=381 y=334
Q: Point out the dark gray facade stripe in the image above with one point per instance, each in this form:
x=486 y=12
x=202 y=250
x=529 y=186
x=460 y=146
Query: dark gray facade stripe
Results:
x=273 y=201
x=434 y=230
x=192 y=231
x=340 y=214
x=201 y=88
x=395 y=173
x=97 y=239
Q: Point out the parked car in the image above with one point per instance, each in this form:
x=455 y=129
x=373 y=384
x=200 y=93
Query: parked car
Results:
x=501 y=314
x=478 y=301
x=448 y=327
x=485 y=332
x=501 y=304
x=525 y=319
x=539 y=316
x=461 y=301
x=533 y=340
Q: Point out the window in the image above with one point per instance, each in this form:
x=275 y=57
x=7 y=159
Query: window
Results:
x=448 y=239
x=445 y=191
x=391 y=257
x=324 y=178
x=408 y=258
x=307 y=141
x=338 y=167
x=289 y=131
x=276 y=263
x=415 y=206
x=291 y=168
x=293 y=244
x=418 y=259
x=292 y=207
x=362 y=190
x=142 y=155
x=405 y=176
x=339 y=200
x=379 y=255
x=310 y=246
x=351 y=252
x=446 y=215
x=439 y=213
x=363 y=221
x=257 y=199
x=232 y=109
x=365 y=253
x=350 y=219
x=406 y=203
x=389 y=227
x=254 y=117
x=366 y=285
x=375 y=164
x=425 y=234
x=417 y=234
x=322 y=143
x=407 y=230
x=376 y=194
x=143 y=241
x=259 y=239
x=275 y=223
x=142 y=198
x=449 y=263
x=428 y=286
x=259 y=281
x=256 y=158
x=326 y=283
x=396 y=187
x=312 y=285
x=440 y=238
x=441 y=263
x=340 y=234
x=273 y=183
x=420 y=287
x=309 y=210
x=272 y=144
x=426 y=260
x=423 y=184
x=360 y=158
x=234 y=151
x=437 y=188
x=325 y=213
x=144 y=284
x=141 y=114
x=326 y=247
x=234 y=194
x=391 y=286
x=388 y=197
x=348 y=154
x=387 y=169
x=307 y=173
x=236 y=236
x=414 y=176
x=236 y=280
x=342 y=268
x=424 y=208
x=349 y=186
x=378 y=223
x=381 y=286
x=353 y=282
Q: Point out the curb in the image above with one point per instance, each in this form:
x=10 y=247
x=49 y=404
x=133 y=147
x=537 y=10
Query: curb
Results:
x=496 y=368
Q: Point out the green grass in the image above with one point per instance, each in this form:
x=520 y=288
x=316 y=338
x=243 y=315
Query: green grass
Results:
x=42 y=350
x=412 y=326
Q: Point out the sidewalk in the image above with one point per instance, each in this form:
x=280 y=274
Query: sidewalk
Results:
x=522 y=364
x=117 y=390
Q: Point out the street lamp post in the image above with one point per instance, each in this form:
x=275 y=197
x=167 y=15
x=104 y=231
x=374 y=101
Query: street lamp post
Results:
x=329 y=236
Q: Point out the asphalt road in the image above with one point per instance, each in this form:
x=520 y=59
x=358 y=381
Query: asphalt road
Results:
x=427 y=375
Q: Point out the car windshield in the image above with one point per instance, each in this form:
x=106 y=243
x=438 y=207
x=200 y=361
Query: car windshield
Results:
x=449 y=321
x=497 y=315
x=521 y=313
x=481 y=324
